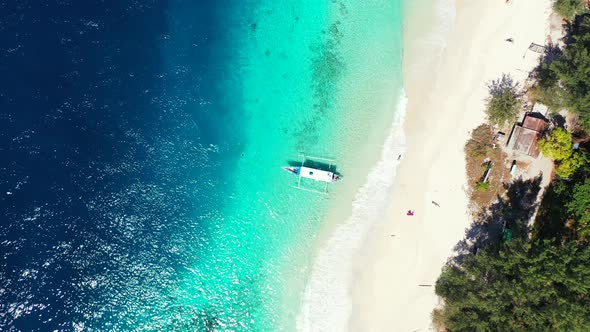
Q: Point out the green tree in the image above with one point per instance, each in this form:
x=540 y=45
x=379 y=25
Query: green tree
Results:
x=573 y=71
x=568 y=167
x=579 y=207
x=558 y=145
x=504 y=101
x=547 y=88
x=568 y=8
x=519 y=286
x=553 y=96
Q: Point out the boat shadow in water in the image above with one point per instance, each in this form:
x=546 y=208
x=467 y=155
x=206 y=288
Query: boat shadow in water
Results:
x=315 y=164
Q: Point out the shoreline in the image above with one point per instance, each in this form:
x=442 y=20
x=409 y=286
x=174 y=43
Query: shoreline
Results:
x=403 y=255
x=353 y=213
x=325 y=304
x=370 y=97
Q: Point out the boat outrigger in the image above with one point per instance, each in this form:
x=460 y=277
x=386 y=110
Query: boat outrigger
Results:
x=316 y=174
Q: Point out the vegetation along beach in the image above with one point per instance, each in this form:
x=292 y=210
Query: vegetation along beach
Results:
x=287 y=165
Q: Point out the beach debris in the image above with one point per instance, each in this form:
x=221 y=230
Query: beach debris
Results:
x=537 y=48
x=510 y=40
x=513 y=168
x=500 y=136
x=435 y=203
x=488 y=167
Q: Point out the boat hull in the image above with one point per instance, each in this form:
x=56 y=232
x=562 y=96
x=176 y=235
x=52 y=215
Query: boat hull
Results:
x=313 y=174
x=293 y=170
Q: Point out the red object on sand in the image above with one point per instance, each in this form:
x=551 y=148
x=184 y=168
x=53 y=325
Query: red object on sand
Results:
x=410 y=213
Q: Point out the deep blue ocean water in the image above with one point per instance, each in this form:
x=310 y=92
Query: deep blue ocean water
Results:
x=109 y=150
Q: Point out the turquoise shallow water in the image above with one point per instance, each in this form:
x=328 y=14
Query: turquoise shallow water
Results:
x=321 y=78
x=315 y=78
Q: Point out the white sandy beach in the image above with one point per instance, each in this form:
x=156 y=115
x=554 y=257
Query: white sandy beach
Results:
x=445 y=102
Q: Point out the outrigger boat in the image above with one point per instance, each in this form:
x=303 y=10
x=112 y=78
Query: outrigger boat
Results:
x=316 y=174
x=313 y=173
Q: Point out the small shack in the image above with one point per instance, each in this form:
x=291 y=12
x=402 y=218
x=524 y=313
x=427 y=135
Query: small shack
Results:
x=524 y=136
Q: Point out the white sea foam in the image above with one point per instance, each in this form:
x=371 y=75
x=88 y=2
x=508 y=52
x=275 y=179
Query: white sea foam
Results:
x=326 y=305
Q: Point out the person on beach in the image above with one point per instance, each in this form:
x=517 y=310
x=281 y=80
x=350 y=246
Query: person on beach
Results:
x=410 y=213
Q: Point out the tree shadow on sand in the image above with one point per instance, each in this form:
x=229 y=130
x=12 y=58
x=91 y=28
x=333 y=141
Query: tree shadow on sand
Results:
x=512 y=211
